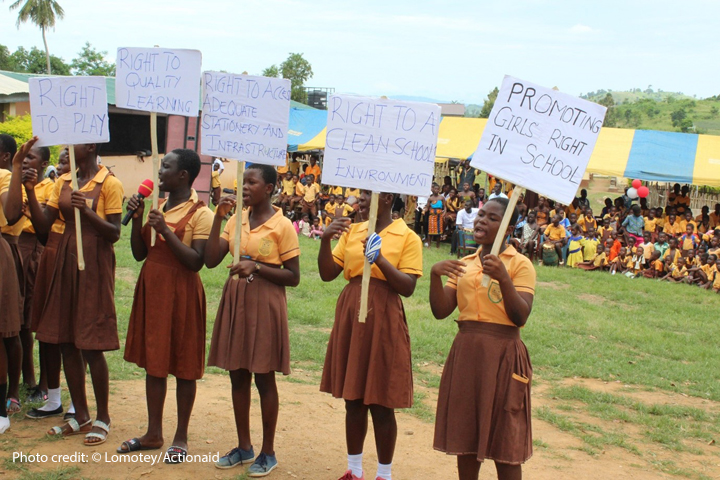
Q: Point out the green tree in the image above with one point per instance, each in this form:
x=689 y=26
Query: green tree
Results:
x=272 y=71
x=298 y=71
x=34 y=61
x=686 y=125
x=91 y=62
x=611 y=116
x=489 y=103
x=43 y=14
x=6 y=60
x=677 y=116
x=714 y=112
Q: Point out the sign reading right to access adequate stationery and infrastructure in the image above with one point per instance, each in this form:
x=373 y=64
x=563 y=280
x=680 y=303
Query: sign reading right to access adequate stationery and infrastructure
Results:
x=380 y=144
x=539 y=138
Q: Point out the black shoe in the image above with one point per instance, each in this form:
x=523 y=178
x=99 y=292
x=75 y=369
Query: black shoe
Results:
x=37 y=395
x=35 y=413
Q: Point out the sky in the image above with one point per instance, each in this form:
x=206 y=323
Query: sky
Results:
x=444 y=50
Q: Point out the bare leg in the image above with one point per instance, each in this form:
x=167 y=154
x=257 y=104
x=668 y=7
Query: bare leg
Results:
x=75 y=376
x=185 y=395
x=269 y=405
x=468 y=467
x=155 y=392
x=101 y=386
x=385 y=432
x=356 y=423
x=240 y=380
x=508 y=472
x=13 y=347
x=28 y=364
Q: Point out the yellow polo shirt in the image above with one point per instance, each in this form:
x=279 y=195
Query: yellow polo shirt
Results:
x=199 y=226
x=110 y=199
x=400 y=246
x=310 y=192
x=43 y=190
x=16 y=229
x=555 y=233
x=288 y=187
x=273 y=242
x=354 y=192
x=485 y=304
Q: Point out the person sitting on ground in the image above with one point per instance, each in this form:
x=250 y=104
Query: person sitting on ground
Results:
x=678 y=273
x=662 y=244
x=302 y=226
x=647 y=248
x=599 y=261
x=672 y=227
x=656 y=268
x=555 y=234
x=317 y=229
x=673 y=251
x=619 y=264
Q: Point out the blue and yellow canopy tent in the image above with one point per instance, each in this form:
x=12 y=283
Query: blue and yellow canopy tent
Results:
x=645 y=154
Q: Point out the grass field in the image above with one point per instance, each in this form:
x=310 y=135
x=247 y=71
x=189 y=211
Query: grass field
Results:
x=650 y=336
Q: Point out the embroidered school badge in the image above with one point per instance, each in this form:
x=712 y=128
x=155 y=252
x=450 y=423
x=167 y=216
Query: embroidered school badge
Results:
x=265 y=247
x=494 y=292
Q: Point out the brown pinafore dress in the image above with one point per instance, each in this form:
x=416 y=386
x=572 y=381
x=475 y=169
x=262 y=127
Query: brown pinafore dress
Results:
x=10 y=297
x=80 y=305
x=166 y=334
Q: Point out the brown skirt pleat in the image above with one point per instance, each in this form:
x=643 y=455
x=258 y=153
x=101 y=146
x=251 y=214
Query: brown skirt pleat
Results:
x=30 y=251
x=43 y=276
x=166 y=333
x=10 y=298
x=484 y=399
x=371 y=360
x=251 y=328
x=80 y=305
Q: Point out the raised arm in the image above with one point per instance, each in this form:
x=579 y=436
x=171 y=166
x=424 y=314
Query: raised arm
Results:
x=329 y=269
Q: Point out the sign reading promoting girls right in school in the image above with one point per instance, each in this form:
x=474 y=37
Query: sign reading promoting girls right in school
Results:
x=539 y=138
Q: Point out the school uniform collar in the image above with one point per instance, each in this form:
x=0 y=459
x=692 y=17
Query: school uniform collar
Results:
x=508 y=252
x=99 y=177
x=397 y=227
x=271 y=223
x=192 y=200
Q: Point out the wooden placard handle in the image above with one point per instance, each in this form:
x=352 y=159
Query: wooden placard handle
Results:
x=156 y=169
x=238 y=215
x=367 y=268
x=500 y=238
x=78 y=226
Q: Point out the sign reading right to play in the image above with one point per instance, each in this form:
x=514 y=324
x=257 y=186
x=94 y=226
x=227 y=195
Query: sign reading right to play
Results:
x=539 y=138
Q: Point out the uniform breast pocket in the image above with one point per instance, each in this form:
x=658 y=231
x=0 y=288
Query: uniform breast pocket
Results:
x=517 y=390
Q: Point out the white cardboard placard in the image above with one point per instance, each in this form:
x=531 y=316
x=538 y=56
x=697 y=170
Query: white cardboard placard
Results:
x=69 y=110
x=245 y=117
x=380 y=144
x=539 y=138
x=162 y=80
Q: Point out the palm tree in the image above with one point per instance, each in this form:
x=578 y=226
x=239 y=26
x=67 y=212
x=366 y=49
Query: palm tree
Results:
x=42 y=13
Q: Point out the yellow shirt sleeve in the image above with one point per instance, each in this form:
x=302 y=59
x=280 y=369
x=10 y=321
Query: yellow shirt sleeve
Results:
x=202 y=223
x=523 y=276
x=411 y=260
x=229 y=227
x=54 y=199
x=113 y=192
x=289 y=245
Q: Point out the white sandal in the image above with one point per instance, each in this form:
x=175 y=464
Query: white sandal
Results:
x=75 y=429
x=102 y=436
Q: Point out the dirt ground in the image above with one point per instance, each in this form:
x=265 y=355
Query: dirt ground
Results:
x=310 y=441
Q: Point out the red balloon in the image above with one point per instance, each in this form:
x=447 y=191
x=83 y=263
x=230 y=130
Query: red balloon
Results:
x=643 y=191
x=636 y=183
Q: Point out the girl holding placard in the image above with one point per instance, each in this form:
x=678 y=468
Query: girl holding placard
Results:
x=166 y=333
x=368 y=364
x=483 y=407
x=251 y=333
x=79 y=313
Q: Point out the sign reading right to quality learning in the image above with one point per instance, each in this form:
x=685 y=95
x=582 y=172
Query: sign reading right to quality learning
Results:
x=539 y=138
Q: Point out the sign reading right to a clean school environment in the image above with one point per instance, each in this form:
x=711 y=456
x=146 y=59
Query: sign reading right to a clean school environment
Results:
x=539 y=138
x=158 y=80
x=380 y=144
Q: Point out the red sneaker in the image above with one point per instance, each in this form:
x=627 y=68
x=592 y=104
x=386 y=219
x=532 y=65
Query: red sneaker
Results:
x=349 y=476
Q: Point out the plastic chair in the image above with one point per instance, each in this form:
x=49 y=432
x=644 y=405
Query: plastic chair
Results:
x=466 y=243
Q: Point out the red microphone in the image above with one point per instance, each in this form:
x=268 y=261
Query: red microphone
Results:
x=144 y=190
